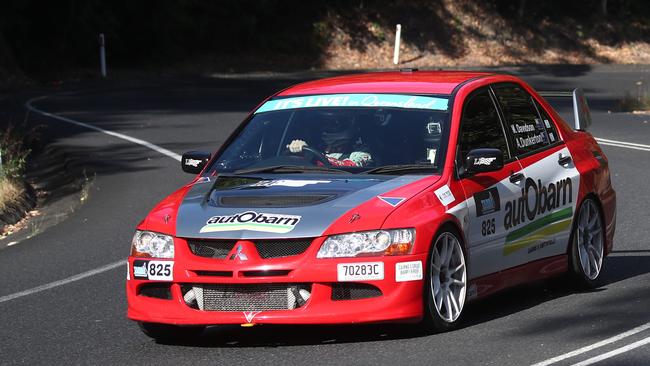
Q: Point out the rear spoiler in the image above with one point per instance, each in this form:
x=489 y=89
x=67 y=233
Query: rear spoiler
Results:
x=581 y=113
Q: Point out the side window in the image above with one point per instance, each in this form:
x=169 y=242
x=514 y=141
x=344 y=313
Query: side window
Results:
x=480 y=126
x=522 y=121
x=551 y=131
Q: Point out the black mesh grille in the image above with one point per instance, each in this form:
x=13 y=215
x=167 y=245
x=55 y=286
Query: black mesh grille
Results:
x=281 y=248
x=211 y=248
x=354 y=291
x=271 y=201
x=275 y=248
x=258 y=297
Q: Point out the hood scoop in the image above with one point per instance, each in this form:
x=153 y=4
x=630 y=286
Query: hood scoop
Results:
x=253 y=201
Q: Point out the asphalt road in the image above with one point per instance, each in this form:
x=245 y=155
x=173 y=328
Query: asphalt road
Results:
x=84 y=322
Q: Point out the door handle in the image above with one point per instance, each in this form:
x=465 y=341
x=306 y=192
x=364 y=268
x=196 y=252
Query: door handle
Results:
x=564 y=160
x=516 y=177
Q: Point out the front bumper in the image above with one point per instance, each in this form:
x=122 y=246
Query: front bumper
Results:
x=399 y=301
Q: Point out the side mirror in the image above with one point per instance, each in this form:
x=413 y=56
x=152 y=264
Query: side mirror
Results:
x=194 y=161
x=483 y=160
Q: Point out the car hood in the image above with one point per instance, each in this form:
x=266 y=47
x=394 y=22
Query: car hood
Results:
x=280 y=206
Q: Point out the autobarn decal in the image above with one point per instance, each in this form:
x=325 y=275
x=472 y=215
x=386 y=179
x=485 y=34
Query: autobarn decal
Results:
x=251 y=220
x=487 y=201
x=545 y=198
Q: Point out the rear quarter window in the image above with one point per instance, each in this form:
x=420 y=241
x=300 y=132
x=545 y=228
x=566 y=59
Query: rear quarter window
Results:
x=549 y=125
x=522 y=121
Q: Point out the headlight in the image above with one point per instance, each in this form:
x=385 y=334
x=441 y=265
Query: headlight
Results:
x=150 y=244
x=367 y=243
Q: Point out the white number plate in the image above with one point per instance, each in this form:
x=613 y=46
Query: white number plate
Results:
x=366 y=271
x=153 y=270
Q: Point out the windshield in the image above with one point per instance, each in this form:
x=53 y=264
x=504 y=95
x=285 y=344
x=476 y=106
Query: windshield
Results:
x=353 y=133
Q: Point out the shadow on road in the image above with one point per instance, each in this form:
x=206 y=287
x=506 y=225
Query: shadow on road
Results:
x=506 y=303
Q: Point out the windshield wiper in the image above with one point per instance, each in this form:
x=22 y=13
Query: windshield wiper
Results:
x=289 y=169
x=387 y=169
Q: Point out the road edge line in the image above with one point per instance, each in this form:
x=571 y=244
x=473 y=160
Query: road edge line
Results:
x=593 y=346
x=65 y=281
x=147 y=144
x=614 y=352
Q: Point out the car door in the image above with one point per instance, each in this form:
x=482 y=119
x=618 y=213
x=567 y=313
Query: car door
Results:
x=486 y=193
x=539 y=219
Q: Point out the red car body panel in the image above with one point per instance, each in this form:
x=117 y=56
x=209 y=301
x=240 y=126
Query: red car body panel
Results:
x=422 y=209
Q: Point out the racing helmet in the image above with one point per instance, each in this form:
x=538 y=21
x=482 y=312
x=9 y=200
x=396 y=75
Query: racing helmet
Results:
x=339 y=129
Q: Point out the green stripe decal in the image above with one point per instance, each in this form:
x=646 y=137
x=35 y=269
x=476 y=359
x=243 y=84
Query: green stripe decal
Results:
x=542 y=234
x=548 y=225
x=535 y=225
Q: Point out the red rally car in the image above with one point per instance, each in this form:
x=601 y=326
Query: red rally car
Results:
x=390 y=196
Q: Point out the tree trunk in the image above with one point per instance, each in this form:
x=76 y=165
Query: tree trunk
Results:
x=522 y=7
x=603 y=7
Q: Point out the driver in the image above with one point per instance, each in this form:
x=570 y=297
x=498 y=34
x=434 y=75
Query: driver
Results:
x=341 y=143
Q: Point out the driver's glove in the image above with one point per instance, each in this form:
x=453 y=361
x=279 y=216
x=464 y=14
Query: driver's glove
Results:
x=296 y=146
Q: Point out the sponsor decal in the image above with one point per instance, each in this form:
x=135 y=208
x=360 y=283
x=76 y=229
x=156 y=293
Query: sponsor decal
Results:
x=522 y=127
x=192 y=162
x=541 y=245
x=287 y=183
x=254 y=221
x=444 y=195
x=393 y=201
x=250 y=315
x=484 y=161
x=153 y=270
x=356 y=100
x=547 y=123
x=538 y=230
x=524 y=142
x=487 y=201
x=537 y=199
x=408 y=271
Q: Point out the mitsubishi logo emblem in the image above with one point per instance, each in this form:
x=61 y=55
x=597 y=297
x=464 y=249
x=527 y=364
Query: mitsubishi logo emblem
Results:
x=239 y=254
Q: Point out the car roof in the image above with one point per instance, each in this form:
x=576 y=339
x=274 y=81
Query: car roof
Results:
x=407 y=82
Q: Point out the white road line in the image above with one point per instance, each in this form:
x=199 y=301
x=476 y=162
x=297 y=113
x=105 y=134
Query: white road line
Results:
x=107 y=267
x=134 y=140
x=613 y=353
x=628 y=145
x=585 y=349
x=62 y=282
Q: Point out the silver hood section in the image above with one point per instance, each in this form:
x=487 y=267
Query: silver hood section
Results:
x=197 y=211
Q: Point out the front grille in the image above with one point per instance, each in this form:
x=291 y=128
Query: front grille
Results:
x=257 y=297
x=272 y=201
x=274 y=248
x=281 y=248
x=211 y=248
x=354 y=291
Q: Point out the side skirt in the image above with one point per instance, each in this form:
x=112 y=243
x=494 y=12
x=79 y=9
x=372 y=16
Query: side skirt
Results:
x=537 y=270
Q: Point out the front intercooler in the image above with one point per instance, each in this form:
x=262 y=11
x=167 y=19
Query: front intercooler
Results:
x=244 y=297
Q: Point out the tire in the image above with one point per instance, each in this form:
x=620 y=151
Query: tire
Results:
x=169 y=333
x=446 y=282
x=587 y=245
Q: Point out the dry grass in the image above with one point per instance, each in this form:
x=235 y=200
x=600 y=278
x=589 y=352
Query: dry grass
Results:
x=9 y=192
